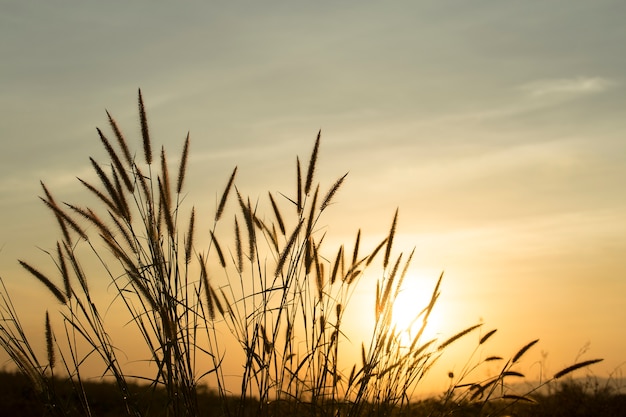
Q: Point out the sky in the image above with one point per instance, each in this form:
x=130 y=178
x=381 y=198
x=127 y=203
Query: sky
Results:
x=497 y=129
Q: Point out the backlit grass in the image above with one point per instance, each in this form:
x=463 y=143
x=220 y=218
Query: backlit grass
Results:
x=266 y=289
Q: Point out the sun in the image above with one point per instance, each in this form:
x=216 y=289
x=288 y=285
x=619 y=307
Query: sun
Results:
x=408 y=312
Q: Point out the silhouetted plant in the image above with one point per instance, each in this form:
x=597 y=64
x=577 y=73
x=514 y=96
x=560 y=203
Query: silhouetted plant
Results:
x=261 y=277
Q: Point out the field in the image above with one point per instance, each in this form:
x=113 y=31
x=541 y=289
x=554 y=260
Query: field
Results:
x=268 y=280
x=573 y=399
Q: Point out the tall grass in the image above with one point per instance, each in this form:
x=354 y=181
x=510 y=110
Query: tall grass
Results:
x=265 y=277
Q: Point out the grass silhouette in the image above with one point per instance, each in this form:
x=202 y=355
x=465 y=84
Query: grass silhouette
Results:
x=265 y=279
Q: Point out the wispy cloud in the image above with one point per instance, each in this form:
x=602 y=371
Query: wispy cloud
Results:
x=566 y=86
x=537 y=95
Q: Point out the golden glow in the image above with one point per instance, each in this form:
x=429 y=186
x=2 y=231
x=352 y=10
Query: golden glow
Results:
x=409 y=308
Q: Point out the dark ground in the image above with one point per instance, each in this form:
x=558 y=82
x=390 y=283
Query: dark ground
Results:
x=571 y=399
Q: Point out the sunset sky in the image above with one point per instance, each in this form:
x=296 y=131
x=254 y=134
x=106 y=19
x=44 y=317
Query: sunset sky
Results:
x=497 y=128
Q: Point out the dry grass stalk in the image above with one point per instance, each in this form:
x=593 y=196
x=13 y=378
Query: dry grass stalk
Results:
x=229 y=308
x=207 y=288
x=123 y=204
x=312 y=163
x=216 y=300
x=222 y=204
x=487 y=336
x=167 y=209
x=248 y=215
x=238 y=246
x=165 y=180
x=319 y=273
x=269 y=232
x=46 y=281
x=392 y=233
x=63 y=219
x=101 y=196
x=299 y=186
x=308 y=255
x=78 y=271
x=189 y=239
x=51 y=203
x=312 y=217
x=145 y=134
x=355 y=252
x=123 y=229
x=574 y=367
x=145 y=196
x=218 y=249
x=390 y=280
x=117 y=163
x=287 y=249
x=140 y=284
x=331 y=192
x=115 y=199
x=405 y=270
x=457 y=336
x=523 y=350
x=338 y=262
x=93 y=218
x=121 y=141
x=64 y=273
x=175 y=304
x=182 y=169
x=279 y=218
x=50 y=343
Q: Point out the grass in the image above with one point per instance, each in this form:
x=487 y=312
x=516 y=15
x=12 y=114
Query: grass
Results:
x=571 y=398
x=266 y=278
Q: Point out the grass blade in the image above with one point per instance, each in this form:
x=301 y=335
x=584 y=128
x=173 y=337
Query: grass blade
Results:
x=145 y=134
x=312 y=162
x=222 y=204
x=49 y=342
x=183 y=166
x=117 y=163
x=457 y=336
x=392 y=233
x=279 y=218
x=574 y=367
x=487 y=336
x=120 y=140
x=331 y=193
x=44 y=280
x=523 y=350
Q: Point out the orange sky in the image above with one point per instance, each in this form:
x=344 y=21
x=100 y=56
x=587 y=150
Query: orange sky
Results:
x=496 y=128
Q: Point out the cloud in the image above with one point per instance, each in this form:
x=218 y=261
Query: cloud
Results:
x=566 y=86
x=536 y=95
